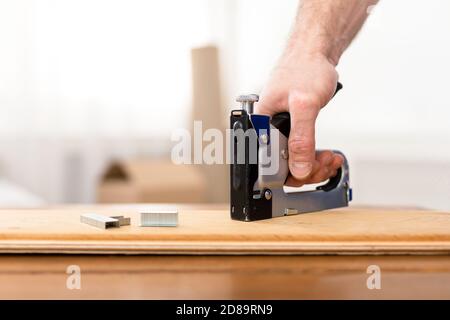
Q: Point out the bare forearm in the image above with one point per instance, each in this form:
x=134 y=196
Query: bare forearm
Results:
x=326 y=27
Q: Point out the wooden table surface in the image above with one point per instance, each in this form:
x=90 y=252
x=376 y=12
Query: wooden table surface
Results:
x=202 y=230
x=321 y=255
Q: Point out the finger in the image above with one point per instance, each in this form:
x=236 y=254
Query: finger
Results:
x=333 y=173
x=323 y=160
x=338 y=161
x=263 y=107
x=324 y=168
x=325 y=157
x=270 y=103
x=302 y=137
x=329 y=164
x=323 y=175
x=291 y=181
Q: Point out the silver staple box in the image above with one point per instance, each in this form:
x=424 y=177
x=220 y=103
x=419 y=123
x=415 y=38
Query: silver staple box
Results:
x=159 y=218
x=123 y=221
x=99 y=221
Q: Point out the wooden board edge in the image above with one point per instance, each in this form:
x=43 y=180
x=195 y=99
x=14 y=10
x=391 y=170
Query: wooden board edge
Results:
x=224 y=248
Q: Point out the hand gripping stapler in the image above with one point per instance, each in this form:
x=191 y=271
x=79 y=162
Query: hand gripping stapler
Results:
x=259 y=168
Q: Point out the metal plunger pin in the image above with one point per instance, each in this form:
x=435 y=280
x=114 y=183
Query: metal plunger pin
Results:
x=247 y=102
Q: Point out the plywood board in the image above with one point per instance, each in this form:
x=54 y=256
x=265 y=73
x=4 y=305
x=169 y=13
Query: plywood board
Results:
x=211 y=231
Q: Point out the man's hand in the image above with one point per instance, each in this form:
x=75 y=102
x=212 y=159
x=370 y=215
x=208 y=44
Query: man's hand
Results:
x=305 y=80
x=302 y=87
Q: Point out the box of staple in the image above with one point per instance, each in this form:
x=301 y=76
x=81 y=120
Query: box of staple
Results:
x=159 y=218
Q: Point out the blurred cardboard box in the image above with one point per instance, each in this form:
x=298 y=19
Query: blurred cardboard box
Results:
x=208 y=106
x=151 y=181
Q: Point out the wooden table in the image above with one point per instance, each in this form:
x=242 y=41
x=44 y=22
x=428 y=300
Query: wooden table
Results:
x=209 y=256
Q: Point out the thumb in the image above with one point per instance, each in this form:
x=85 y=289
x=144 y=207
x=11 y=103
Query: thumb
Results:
x=302 y=136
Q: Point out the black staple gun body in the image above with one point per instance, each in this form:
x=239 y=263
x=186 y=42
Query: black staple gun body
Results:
x=259 y=169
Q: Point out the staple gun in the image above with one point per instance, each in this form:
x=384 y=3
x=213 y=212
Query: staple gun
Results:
x=259 y=169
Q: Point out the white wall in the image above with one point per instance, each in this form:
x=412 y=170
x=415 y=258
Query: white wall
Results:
x=86 y=79
x=97 y=67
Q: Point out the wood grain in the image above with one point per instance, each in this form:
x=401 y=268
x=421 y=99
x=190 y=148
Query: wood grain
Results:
x=211 y=231
x=224 y=277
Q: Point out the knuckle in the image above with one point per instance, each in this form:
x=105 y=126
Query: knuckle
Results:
x=301 y=145
x=271 y=101
x=304 y=101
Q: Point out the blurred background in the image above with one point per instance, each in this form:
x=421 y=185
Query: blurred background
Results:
x=91 y=91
